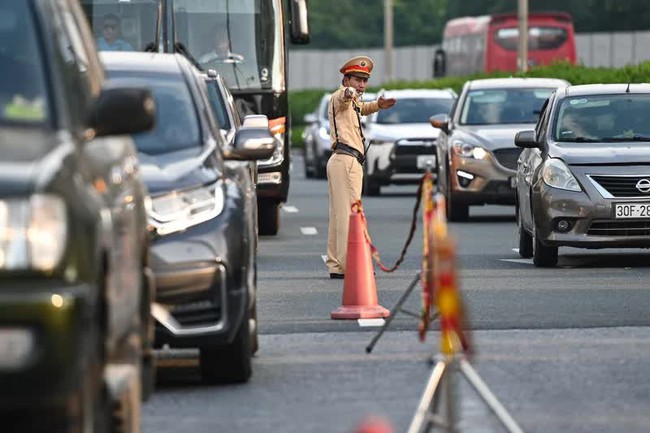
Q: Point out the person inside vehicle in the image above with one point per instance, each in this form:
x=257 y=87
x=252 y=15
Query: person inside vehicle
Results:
x=221 y=50
x=110 y=39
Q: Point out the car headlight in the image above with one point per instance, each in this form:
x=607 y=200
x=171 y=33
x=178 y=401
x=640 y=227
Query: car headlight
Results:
x=178 y=211
x=324 y=133
x=33 y=232
x=468 y=150
x=556 y=174
x=278 y=129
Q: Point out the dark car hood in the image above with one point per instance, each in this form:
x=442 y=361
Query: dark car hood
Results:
x=493 y=136
x=603 y=153
x=30 y=156
x=178 y=170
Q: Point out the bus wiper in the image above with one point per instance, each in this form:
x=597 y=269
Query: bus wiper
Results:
x=180 y=48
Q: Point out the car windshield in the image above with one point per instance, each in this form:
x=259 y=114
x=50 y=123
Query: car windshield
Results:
x=503 y=106
x=603 y=118
x=241 y=39
x=177 y=126
x=122 y=25
x=414 y=110
x=23 y=96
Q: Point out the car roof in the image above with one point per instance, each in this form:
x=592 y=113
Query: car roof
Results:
x=141 y=61
x=602 y=89
x=419 y=93
x=512 y=82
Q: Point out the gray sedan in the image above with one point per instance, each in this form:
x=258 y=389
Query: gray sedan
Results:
x=583 y=179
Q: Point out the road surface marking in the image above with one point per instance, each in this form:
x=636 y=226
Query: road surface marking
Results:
x=309 y=230
x=370 y=322
x=520 y=261
x=516 y=250
x=290 y=209
x=324 y=257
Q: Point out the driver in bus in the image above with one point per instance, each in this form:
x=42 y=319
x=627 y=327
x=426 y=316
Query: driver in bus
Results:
x=221 y=51
x=110 y=39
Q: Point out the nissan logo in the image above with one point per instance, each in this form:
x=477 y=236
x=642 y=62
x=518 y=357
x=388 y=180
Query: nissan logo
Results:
x=643 y=185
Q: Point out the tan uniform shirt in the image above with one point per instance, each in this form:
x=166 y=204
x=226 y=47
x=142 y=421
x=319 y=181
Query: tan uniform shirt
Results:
x=347 y=123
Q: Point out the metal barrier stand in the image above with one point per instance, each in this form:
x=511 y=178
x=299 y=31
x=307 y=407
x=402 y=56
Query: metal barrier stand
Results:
x=398 y=308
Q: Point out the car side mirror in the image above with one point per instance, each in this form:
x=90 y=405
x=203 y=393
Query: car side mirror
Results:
x=310 y=118
x=121 y=111
x=299 y=29
x=253 y=140
x=526 y=139
x=440 y=121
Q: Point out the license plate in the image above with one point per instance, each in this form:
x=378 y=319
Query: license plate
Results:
x=631 y=210
x=16 y=345
x=513 y=182
x=425 y=161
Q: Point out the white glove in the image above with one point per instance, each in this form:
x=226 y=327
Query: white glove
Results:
x=350 y=92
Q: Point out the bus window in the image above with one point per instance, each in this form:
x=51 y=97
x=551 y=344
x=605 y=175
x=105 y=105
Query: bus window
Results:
x=539 y=38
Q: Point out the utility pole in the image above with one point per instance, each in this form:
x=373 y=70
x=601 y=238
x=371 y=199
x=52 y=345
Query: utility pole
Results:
x=388 y=40
x=522 y=52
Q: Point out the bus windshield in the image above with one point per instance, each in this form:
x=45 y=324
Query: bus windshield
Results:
x=241 y=39
x=122 y=26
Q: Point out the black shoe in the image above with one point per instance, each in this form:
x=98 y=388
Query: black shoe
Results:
x=336 y=276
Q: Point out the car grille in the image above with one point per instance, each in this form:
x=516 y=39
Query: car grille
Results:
x=406 y=153
x=508 y=157
x=621 y=186
x=197 y=313
x=619 y=228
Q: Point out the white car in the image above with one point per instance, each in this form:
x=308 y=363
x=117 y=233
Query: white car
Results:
x=401 y=143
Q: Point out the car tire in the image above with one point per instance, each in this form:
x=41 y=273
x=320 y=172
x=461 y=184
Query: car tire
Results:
x=268 y=219
x=148 y=378
x=320 y=170
x=456 y=212
x=370 y=188
x=525 y=240
x=231 y=363
x=543 y=256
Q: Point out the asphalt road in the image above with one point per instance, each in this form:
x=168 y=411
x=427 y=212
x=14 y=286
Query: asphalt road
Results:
x=565 y=349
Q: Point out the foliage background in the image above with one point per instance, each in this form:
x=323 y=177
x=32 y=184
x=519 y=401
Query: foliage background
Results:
x=359 y=23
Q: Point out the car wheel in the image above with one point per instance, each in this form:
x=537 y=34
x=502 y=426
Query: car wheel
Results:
x=268 y=218
x=320 y=170
x=455 y=211
x=543 y=256
x=370 y=188
x=255 y=345
x=525 y=240
x=230 y=363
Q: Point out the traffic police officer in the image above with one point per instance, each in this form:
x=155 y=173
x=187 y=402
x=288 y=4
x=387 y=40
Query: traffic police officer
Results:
x=344 y=168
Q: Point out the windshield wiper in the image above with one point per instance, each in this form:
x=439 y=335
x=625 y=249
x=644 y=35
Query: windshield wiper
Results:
x=180 y=48
x=581 y=140
x=631 y=138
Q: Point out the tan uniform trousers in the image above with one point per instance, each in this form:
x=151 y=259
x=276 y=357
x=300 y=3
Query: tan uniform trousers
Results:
x=344 y=182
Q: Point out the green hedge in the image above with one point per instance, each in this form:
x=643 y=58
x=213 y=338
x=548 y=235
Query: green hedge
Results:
x=302 y=102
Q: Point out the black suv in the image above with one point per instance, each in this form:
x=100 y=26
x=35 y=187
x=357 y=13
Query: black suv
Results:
x=201 y=215
x=75 y=289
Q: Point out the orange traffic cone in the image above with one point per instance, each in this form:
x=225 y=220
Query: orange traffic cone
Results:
x=375 y=424
x=359 y=287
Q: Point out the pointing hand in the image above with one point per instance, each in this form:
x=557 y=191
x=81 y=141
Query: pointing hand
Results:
x=386 y=102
